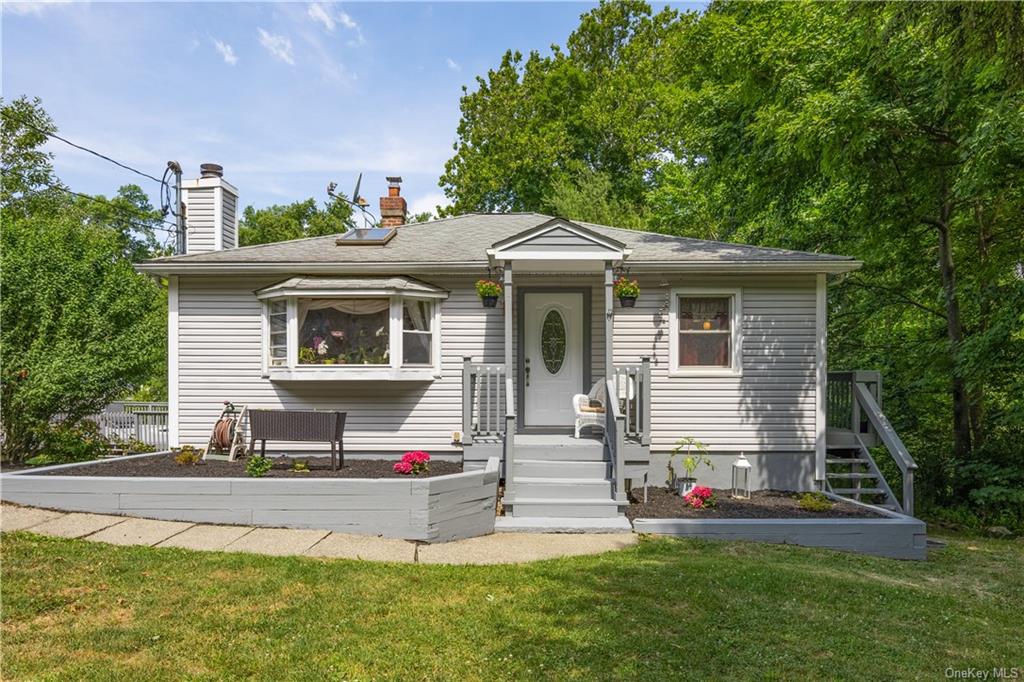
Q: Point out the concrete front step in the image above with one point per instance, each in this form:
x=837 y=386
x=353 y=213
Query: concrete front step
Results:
x=580 y=508
x=556 y=468
x=549 y=524
x=561 y=488
x=579 y=451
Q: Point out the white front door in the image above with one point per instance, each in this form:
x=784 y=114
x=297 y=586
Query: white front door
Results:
x=553 y=357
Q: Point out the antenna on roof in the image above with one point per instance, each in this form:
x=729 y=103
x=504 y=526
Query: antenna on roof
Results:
x=355 y=202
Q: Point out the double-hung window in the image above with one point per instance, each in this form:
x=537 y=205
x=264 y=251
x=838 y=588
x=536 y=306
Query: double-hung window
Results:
x=705 y=331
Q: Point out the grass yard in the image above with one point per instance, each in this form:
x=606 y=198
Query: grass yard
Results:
x=675 y=609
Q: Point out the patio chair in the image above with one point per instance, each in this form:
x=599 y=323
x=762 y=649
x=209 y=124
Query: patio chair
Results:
x=586 y=414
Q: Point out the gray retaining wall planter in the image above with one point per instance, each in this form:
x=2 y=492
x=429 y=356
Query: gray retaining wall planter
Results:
x=898 y=536
x=435 y=509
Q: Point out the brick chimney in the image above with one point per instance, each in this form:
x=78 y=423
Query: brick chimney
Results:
x=392 y=207
x=211 y=211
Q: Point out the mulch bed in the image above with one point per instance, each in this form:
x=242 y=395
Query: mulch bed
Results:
x=662 y=503
x=320 y=467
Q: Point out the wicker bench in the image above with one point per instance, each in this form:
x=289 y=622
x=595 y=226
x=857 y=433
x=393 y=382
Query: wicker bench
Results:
x=299 y=425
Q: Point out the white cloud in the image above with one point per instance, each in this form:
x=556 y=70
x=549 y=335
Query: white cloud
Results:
x=428 y=203
x=278 y=46
x=347 y=21
x=227 y=52
x=35 y=8
x=452 y=64
x=324 y=13
x=318 y=12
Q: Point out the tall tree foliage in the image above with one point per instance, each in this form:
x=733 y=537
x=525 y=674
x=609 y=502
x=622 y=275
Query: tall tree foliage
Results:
x=78 y=326
x=295 y=221
x=891 y=132
x=541 y=129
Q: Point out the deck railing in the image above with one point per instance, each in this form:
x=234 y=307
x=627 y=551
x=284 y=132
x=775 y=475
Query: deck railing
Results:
x=615 y=442
x=486 y=400
x=631 y=384
x=854 y=403
x=127 y=420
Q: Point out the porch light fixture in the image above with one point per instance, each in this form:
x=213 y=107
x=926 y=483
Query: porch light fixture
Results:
x=741 y=478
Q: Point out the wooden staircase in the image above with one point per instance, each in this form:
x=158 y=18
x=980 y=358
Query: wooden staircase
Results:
x=855 y=425
x=561 y=477
x=850 y=474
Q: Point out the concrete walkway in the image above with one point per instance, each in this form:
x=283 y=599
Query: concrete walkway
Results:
x=504 y=548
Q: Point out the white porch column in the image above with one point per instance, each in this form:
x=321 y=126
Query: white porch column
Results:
x=508 y=299
x=609 y=319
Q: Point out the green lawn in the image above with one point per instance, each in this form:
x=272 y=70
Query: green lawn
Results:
x=80 y=610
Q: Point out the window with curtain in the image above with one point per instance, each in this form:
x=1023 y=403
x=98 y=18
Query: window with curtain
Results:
x=705 y=331
x=344 y=331
x=417 y=332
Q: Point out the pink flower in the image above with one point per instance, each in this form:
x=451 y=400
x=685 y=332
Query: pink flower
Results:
x=701 y=497
x=403 y=468
x=417 y=461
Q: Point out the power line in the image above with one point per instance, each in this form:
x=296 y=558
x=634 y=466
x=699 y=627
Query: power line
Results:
x=55 y=136
x=139 y=225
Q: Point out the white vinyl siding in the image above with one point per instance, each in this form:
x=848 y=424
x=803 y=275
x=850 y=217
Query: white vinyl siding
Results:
x=771 y=406
x=220 y=359
x=200 y=215
x=230 y=218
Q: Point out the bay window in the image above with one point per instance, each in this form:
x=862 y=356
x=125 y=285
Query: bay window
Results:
x=365 y=329
x=704 y=335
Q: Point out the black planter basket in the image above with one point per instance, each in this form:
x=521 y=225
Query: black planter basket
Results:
x=490 y=301
x=627 y=301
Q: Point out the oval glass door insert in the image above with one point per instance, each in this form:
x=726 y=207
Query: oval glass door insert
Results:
x=552 y=341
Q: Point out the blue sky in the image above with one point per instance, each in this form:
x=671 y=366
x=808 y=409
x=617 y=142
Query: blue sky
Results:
x=286 y=96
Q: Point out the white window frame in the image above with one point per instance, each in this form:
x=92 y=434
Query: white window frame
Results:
x=395 y=370
x=735 y=295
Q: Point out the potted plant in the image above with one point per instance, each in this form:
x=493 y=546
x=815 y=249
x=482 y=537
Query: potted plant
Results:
x=690 y=460
x=627 y=291
x=489 y=292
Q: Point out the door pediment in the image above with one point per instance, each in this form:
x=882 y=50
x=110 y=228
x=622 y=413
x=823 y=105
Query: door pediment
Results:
x=558 y=239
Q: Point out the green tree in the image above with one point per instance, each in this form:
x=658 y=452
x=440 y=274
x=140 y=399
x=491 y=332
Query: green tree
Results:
x=295 y=221
x=78 y=326
x=538 y=133
x=890 y=132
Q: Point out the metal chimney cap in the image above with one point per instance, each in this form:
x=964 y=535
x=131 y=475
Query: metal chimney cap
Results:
x=211 y=170
x=394 y=179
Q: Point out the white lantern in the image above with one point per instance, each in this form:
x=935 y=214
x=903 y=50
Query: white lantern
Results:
x=741 y=478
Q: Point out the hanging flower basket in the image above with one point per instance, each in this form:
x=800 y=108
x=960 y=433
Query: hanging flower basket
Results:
x=627 y=291
x=489 y=292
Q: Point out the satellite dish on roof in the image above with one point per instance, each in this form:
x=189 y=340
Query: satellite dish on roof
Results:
x=356 y=201
x=355 y=193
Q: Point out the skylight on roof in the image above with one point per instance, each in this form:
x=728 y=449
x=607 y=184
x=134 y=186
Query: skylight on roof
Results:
x=371 y=236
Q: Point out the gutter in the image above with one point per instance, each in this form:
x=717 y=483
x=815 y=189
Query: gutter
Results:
x=406 y=267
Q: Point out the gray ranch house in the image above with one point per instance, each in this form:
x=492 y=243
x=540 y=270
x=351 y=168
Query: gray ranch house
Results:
x=580 y=395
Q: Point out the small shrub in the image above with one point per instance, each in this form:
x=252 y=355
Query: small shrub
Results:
x=415 y=462
x=300 y=466
x=258 y=466
x=815 y=502
x=188 y=456
x=80 y=442
x=701 y=497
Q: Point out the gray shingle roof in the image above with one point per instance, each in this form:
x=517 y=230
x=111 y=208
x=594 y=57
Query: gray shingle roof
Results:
x=466 y=238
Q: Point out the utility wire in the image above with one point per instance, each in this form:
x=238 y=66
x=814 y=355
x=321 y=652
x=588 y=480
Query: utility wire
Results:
x=42 y=131
x=130 y=220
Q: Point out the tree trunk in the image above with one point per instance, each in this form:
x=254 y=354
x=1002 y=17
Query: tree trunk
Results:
x=954 y=331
